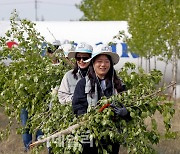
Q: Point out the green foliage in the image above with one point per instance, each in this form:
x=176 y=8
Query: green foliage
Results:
x=142 y=99
x=101 y=10
x=27 y=82
x=154 y=27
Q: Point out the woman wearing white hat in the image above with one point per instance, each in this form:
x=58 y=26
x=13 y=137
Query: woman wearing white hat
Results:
x=82 y=52
x=100 y=81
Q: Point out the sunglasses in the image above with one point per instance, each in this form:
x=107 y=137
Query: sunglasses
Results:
x=83 y=58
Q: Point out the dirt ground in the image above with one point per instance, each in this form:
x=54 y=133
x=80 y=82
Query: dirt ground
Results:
x=169 y=146
x=14 y=145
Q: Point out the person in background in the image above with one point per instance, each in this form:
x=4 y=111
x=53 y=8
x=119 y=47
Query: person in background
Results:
x=55 y=61
x=50 y=51
x=100 y=81
x=27 y=136
x=67 y=46
x=82 y=52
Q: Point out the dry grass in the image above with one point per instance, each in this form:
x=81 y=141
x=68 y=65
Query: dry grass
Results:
x=170 y=146
x=14 y=145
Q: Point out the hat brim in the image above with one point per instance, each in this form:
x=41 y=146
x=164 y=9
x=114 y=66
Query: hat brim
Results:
x=72 y=54
x=114 y=56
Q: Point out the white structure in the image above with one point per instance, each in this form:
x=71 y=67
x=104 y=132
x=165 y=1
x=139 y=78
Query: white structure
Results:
x=94 y=33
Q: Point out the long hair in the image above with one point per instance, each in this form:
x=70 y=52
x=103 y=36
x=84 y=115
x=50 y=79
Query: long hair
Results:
x=75 y=70
x=111 y=76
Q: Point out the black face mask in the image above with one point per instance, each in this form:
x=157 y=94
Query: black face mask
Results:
x=84 y=71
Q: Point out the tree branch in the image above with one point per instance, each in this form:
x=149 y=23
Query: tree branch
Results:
x=63 y=132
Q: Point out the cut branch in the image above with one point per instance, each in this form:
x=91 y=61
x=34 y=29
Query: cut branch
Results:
x=63 y=132
x=155 y=93
x=160 y=90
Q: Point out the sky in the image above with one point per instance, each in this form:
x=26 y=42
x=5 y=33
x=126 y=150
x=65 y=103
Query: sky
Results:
x=49 y=10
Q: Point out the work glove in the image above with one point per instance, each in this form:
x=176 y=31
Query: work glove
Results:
x=119 y=111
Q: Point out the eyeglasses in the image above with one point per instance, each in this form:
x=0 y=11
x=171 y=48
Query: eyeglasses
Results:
x=83 y=58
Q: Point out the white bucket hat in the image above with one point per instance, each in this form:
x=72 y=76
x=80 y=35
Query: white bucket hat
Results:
x=68 y=48
x=82 y=48
x=106 y=50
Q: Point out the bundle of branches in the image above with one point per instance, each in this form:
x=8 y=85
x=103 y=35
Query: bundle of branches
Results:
x=142 y=100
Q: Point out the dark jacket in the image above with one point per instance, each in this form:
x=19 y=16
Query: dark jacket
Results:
x=80 y=103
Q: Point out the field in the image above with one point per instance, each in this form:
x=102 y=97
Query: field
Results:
x=14 y=145
x=169 y=146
